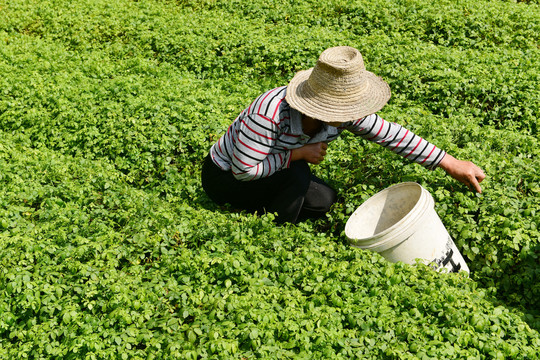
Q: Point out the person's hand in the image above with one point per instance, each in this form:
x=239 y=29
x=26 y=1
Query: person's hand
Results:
x=312 y=153
x=464 y=171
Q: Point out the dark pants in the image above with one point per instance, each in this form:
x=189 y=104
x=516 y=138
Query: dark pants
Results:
x=294 y=193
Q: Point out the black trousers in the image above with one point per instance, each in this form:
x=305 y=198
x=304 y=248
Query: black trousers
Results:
x=294 y=193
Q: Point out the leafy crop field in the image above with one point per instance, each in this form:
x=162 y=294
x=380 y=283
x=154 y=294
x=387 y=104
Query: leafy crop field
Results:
x=110 y=249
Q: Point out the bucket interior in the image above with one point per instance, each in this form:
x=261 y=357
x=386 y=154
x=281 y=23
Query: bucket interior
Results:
x=383 y=210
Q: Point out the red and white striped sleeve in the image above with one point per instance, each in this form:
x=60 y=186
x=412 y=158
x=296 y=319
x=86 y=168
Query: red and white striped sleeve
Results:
x=398 y=139
x=252 y=157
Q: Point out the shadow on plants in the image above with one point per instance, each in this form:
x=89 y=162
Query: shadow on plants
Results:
x=520 y=286
x=201 y=200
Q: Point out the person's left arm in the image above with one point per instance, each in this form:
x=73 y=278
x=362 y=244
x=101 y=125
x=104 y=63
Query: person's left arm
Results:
x=398 y=139
x=464 y=171
x=411 y=146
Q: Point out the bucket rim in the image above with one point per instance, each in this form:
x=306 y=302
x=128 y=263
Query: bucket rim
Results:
x=371 y=243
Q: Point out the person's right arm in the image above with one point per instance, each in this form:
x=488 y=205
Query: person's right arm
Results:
x=252 y=156
x=312 y=153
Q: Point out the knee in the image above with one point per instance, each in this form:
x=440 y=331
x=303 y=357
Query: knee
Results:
x=327 y=197
x=320 y=197
x=299 y=176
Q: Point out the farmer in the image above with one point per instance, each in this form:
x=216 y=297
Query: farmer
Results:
x=261 y=162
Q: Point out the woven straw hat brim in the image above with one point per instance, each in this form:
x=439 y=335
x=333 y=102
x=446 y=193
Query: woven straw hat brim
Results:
x=337 y=106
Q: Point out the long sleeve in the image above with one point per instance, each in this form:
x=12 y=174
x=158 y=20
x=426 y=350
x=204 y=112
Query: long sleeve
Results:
x=397 y=139
x=252 y=152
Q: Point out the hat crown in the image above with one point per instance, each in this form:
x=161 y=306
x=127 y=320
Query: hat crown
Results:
x=338 y=71
x=341 y=59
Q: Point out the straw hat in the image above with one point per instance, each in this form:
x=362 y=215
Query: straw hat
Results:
x=338 y=88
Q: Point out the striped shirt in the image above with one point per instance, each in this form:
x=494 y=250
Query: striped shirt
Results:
x=260 y=140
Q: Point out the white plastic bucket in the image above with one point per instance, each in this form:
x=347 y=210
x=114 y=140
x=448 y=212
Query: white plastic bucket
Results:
x=401 y=224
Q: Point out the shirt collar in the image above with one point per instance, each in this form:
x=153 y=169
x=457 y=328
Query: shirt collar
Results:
x=296 y=122
x=323 y=133
x=296 y=127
